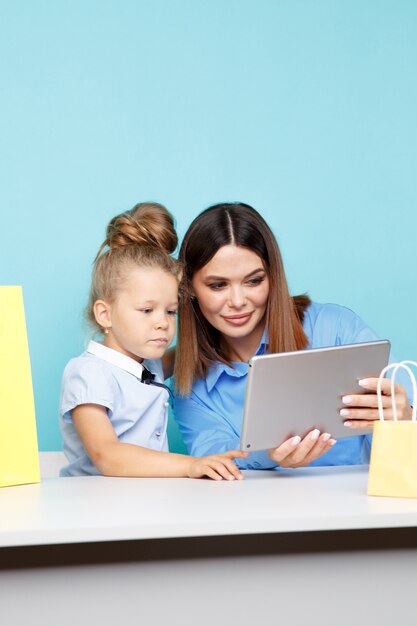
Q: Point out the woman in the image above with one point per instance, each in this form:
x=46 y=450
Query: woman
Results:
x=235 y=304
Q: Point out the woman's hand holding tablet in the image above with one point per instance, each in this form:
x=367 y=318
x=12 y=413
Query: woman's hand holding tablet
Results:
x=361 y=413
x=296 y=452
x=362 y=409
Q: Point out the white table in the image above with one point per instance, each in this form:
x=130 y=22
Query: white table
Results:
x=298 y=545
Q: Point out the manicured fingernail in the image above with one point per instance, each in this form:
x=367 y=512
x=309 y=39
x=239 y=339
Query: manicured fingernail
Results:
x=332 y=442
x=344 y=412
x=326 y=437
x=364 y=382
x=295 y=441
x=347 y=399
x=347 y=424
x=315 y=434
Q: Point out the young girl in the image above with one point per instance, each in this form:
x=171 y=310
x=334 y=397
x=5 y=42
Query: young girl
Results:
x=114 y=404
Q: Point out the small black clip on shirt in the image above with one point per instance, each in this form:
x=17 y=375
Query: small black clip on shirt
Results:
x=149 y=379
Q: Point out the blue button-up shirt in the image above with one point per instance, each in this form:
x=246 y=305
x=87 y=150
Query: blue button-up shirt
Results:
x=210 y=419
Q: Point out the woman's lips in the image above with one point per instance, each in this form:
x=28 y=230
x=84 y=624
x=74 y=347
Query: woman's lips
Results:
x=238 y=320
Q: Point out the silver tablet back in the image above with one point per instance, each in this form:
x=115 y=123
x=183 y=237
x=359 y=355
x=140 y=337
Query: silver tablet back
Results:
x=291 y=393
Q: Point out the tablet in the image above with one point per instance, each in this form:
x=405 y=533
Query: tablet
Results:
x=291 y=393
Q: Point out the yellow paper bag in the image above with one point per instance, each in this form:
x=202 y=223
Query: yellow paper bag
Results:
x=19 y=460
x=393 y=464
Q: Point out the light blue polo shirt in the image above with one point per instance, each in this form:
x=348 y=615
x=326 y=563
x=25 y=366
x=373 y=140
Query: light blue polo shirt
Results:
x=137 y=412
x=210 y=419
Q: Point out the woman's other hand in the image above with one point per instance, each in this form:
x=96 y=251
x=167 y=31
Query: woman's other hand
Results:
x=296 y=452
x=361 y=410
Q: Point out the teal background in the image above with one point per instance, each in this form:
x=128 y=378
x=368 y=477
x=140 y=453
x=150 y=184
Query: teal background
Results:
x=304 y=109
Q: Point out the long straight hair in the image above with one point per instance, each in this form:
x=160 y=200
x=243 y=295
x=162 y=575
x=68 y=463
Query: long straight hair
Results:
x=199 y=344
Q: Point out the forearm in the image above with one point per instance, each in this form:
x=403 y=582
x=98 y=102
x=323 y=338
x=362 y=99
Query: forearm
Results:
x=128 y=460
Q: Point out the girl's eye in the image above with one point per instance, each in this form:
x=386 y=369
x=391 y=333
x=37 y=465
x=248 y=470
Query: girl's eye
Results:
x=172 y=312
x=146 y=311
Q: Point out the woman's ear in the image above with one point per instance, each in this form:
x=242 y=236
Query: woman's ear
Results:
x=102 y=313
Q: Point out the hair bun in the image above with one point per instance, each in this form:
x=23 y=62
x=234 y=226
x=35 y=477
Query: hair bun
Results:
x=147 y=224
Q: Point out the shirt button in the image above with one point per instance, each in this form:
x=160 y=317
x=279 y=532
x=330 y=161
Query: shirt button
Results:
x=157 y=434
x=166 y=404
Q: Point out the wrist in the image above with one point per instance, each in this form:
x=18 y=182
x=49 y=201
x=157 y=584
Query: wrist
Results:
x=189 y=466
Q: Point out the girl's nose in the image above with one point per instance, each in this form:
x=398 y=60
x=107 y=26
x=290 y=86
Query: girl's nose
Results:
x=162 y=322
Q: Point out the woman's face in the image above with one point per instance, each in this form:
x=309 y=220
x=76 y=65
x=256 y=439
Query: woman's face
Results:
x=232 y=290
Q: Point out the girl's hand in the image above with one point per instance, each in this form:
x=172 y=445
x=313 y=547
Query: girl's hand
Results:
x=217 y=466
x=296 y=452
x=362 y=409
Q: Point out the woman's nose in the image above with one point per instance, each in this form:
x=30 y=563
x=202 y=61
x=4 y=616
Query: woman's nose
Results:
x=237 y=297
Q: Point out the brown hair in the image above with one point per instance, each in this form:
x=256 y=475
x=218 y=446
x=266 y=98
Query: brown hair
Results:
x=199 y=345
x=142 y=237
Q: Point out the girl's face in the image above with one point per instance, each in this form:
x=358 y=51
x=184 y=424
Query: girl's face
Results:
x=141 y=319
x=232 y=291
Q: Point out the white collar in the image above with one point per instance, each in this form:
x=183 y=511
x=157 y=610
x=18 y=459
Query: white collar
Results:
x=116 y=358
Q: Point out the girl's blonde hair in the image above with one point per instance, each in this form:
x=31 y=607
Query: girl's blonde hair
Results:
x=142 y=237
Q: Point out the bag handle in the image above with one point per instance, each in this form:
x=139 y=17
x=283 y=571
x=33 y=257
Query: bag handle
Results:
x=397 y=366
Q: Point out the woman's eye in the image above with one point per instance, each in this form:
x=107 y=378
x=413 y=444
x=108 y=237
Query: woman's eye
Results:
x=256 y=281
x=216 y=285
